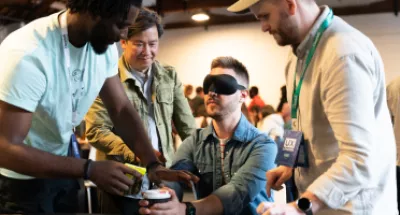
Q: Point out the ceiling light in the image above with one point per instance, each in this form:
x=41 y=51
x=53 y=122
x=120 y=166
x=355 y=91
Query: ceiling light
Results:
x=200 y=17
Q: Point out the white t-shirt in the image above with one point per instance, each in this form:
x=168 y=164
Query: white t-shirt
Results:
x=34 y=77
x=273 y=125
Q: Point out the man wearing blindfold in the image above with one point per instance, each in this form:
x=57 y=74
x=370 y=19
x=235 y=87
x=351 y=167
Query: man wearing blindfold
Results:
x=230 y=156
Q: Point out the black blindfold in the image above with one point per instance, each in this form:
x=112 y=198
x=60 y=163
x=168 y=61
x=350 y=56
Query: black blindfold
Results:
x=221 y=84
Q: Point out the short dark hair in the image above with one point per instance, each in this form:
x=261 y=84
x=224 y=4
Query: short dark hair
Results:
x=145 y=20
x=254 y=90
x=188 y=88
x=103 y=8
x=283 y=99
x=267 y=110
x=232 y=63
x=199 y=90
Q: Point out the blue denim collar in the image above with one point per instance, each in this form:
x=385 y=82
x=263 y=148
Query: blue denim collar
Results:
x=240 y=134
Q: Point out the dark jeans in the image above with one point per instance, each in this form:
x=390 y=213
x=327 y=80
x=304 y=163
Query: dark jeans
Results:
x=38 y=195
x=112 y=204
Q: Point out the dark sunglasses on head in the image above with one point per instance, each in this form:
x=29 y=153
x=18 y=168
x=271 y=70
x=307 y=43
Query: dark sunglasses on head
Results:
x=221 y=84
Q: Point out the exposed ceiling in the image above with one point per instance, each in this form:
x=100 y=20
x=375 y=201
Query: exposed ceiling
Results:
x=177 y=13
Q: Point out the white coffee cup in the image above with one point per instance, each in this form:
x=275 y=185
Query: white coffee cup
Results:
x=156 y=196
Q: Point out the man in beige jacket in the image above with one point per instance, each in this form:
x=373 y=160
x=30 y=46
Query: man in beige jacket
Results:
x=336 y=87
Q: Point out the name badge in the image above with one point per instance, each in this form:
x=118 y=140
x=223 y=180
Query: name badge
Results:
x=289 y=148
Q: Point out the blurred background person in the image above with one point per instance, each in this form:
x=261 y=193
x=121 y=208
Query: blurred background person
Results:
x=188 y=90
x=256 y=100
x=197 y=103
x=263 y=113
x=275 y=124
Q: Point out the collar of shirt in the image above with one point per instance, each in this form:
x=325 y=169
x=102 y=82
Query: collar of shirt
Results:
x=240 y=134
x=306 y=44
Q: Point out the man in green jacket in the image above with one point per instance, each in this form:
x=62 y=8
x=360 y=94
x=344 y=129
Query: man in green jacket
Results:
x=157 y=95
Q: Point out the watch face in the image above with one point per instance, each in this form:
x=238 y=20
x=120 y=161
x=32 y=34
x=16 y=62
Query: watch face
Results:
x=304 y=204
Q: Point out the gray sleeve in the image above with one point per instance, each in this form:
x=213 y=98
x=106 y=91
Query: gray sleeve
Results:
x=186 y=149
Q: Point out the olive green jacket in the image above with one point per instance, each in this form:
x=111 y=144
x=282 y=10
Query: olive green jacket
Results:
x=170 y=106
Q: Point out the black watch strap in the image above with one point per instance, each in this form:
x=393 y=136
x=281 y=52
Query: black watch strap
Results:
x=305 y=206
x=308 y=212
x=190 y=209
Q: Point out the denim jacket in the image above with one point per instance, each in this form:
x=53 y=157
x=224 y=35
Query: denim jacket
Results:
x=170 y=105
x=249 y=154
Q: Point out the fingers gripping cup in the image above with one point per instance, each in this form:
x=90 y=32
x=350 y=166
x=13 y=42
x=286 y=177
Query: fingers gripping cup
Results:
x=156 y=196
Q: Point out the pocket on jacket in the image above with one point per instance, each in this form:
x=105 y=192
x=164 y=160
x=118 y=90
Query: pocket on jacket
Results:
x=205 y=185
x=165 y=99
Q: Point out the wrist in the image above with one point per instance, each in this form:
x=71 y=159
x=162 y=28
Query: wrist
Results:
x=189 y=208
x=317 y=204
x=182 y=211
x=152 y=165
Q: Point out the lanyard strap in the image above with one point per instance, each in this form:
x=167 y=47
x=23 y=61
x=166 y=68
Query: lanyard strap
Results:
x=64 y=36
x=317 y=38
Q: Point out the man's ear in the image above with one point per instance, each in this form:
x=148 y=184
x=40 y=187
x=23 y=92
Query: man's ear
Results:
x=243 y=95
x=124 y=44
x=291 y=6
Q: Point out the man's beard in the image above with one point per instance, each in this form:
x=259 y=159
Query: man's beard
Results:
x=287 y=31
x=98 y=47
x=221 y=110
x=99 y=39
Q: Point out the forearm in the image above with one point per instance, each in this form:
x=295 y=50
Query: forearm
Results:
x=109 y=143
x=33 y=162
x=129 y=127
x=211 y=205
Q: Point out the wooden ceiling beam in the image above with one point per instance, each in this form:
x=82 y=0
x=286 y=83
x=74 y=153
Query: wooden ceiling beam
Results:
x=43 y=10
x=379 y=7
x=214 y=20
x=23 y=3
x=168 y=6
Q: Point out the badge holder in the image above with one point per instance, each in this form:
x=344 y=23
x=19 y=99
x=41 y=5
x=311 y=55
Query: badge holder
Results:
x=292 y=151
x=74 y=147
x=289 y=148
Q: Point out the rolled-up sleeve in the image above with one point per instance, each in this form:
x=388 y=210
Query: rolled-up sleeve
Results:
x=348 y=101
x=250 y=179
x=100 y=135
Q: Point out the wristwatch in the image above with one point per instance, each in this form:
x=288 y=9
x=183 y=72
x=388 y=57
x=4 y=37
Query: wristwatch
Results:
x=305 y=206
x=190 y=209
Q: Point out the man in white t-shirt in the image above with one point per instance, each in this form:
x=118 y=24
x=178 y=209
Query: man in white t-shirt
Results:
x=51 y=71
x=274 y=124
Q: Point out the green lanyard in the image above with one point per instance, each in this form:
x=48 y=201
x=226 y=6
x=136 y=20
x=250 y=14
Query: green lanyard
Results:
x=317 y=38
